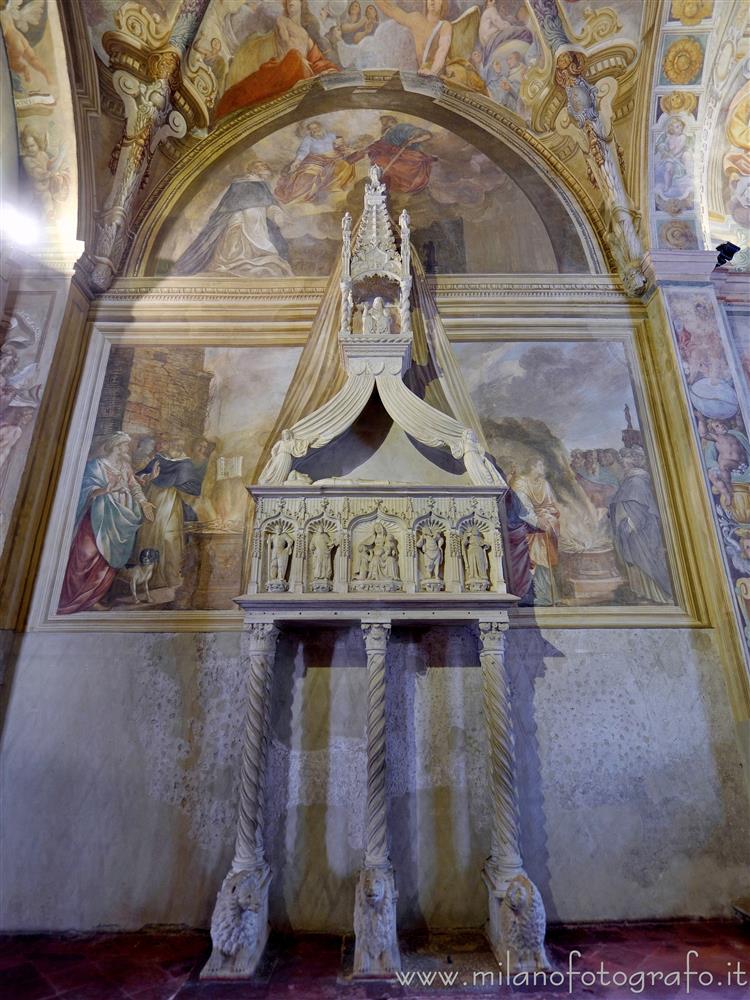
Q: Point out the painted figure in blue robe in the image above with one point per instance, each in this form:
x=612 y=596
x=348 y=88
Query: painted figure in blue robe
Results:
x=175 y=478
x=636 y=528
x=242 y=236
x=111 y=509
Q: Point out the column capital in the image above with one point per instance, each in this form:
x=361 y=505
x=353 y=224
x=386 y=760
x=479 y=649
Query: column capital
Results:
x=376 y=635
x=261 y=635
x=492 y=635
x=685 y=266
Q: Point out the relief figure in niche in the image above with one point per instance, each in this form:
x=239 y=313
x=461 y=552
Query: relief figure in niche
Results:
x=635 y=524
x=111 y=508
x=321 y=547
x=430 y=546
x=279 y=552
x=174 y=478
x=320 y=165
x=296 y=56
x=542 y=515
x=476 y=563
x=241 y=236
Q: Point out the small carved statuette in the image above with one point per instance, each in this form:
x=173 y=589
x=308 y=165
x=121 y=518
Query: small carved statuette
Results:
x=279 y=543
x=430 y=544
x=522 y=925
x=476 y=563
x=375 y=319
x=321 y=547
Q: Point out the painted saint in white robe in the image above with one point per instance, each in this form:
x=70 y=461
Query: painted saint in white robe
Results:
x=241 y=237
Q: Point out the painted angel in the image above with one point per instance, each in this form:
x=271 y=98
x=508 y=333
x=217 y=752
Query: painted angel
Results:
x=443 y=48
x=17 y=20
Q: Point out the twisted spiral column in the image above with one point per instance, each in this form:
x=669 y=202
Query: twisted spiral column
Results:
x=505 y=861
x=376 y=636
x=260 y=643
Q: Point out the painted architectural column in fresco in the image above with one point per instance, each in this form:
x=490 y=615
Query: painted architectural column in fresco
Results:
x=159 y=102
x=589 y=116
x=239 y=926
x=719 y=406
x=376 y=950
x=513 y=898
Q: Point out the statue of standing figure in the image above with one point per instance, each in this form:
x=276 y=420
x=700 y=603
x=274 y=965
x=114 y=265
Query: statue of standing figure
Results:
x=279 y=544
x=476 y=562
x=430 y=545
x=321 y=546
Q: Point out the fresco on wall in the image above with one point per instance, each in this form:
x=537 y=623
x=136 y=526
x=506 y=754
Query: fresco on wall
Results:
x=721 y=428
x=584 y=517
x=161 y=505
x=274 y=209
x=42 y=123
x=735 y=169
x=20 y=385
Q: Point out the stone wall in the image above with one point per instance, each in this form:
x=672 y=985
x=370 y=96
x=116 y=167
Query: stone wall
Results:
x=120 y=756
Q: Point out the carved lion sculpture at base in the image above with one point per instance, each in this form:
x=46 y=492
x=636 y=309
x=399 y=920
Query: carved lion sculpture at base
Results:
x=237 y=920
x=523 y=923
x=376 y=951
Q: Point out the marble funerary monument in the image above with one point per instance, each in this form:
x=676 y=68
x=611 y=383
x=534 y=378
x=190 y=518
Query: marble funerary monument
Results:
x=377 y=552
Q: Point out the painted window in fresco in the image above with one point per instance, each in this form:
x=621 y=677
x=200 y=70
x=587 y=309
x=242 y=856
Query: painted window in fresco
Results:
x=273 y=209
x=562 y=422
x=161 y=507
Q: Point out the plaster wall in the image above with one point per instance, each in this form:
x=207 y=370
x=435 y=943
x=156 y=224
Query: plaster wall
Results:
x=120 y=754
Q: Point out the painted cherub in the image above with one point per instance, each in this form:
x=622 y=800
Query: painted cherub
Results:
x=727 y=453
x=16 y=18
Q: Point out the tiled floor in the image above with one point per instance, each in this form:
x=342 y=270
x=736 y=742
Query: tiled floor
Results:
x=161 y=966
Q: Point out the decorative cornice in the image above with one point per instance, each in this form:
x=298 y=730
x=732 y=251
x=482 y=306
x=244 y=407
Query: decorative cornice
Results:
x=450 y=289
x=732 y=287
x=685 y=266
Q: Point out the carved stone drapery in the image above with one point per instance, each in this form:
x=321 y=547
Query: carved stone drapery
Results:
x=239 y=927
x=376 y=951
x=504 y=873
x=377 y=355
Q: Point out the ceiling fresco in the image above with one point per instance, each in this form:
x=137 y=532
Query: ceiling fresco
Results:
x=567 y=76
x=259 y=49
